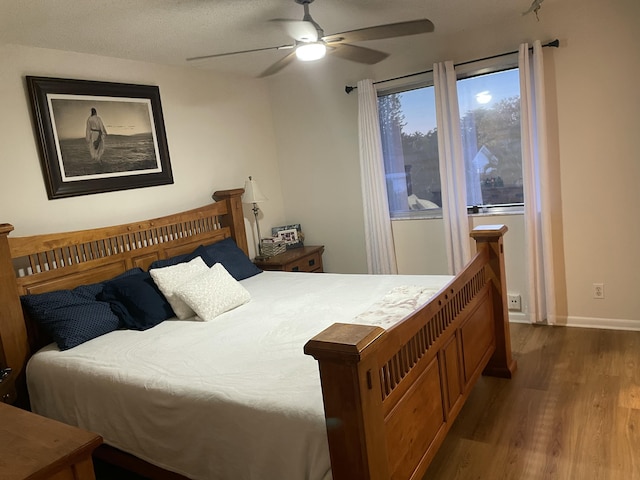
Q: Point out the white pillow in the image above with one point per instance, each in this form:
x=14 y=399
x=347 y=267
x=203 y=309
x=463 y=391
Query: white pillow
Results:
x=213 y=293
x=168 y=279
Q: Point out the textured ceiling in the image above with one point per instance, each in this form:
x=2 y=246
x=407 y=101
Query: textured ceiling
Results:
x=169 y=31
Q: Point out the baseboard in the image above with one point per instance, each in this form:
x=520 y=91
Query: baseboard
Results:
x=603 y=323
x=584 y=322
x=518 y=317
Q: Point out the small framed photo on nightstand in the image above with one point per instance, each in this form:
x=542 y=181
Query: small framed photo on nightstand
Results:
x=291 y=235
x=288 y=236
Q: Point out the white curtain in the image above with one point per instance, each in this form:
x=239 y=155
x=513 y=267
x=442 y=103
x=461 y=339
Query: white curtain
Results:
x=381 y=257
x=452 y=167
x=539 y=252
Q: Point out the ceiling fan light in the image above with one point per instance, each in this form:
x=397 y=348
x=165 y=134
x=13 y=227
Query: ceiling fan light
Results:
x=311 y=51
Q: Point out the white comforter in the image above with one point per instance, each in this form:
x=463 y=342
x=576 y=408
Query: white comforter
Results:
x=233 y=398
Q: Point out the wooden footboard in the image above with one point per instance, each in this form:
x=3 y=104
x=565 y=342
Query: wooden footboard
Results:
x=391 y=396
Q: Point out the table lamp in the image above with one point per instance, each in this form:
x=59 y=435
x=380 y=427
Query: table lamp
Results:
x=253 y=195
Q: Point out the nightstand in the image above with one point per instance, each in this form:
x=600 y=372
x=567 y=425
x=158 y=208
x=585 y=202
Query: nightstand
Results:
x=36 y=447
x=303 y=259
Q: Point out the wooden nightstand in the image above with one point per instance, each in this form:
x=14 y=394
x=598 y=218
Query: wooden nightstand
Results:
x=303 y=259
x=36 y=447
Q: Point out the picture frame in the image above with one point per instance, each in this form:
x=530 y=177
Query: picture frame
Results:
x=288 y=236
x=124 y=147
x=291 y=234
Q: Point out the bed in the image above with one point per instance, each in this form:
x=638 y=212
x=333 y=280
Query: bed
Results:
x=373 y=398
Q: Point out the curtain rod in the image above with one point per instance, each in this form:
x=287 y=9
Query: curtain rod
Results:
x=555 y=43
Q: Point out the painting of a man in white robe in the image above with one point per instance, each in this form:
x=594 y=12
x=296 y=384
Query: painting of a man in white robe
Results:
x=99 y=137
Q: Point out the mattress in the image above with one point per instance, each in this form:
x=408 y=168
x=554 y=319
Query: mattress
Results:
x=232 y=398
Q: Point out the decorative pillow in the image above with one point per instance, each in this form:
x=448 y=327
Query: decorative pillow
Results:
x=235 y=261
x=168 y=279
x=198 y=252
x=212 y=293
x=137 y=301
x=72 y=317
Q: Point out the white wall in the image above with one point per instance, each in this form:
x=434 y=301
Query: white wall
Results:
x=420 y=248
x=593 y=114
x=219 y=131
x=316 y=133
x=411 y=238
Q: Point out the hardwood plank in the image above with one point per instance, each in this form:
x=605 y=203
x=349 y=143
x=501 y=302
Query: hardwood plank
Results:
x=572 y=410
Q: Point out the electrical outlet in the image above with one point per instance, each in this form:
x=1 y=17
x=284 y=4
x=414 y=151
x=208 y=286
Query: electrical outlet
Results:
x=598 y=290
x=514 y=302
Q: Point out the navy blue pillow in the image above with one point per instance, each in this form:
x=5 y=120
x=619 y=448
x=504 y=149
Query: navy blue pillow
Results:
x=137 y=301
x=72 y=317
x=234 y=260
x=198 y=252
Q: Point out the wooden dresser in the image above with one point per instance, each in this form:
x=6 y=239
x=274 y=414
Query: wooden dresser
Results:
x=303 y=259
x=35 y=447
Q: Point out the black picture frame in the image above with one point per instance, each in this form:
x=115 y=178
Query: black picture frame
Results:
x=76 y=159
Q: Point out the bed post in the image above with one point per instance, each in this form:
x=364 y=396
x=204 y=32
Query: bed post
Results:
x=352 y=401
x=490 y=237
x=235 y=220
x=13 y=333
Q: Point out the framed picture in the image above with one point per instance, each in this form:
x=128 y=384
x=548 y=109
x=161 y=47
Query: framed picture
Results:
x=291 y=235
x=288 y=236
x=98 y=137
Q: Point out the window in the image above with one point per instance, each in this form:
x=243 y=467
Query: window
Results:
x=490 y=124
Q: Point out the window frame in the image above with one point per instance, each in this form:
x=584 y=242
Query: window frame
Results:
x=464 y=70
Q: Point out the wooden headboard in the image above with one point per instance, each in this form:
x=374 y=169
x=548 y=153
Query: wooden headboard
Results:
x=48 y=262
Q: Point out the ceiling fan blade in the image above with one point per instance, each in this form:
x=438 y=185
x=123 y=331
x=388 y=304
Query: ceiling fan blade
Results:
x=378 y=32
x=300 y=30
x=357 y=54
x=203 y=57
x=279 y=65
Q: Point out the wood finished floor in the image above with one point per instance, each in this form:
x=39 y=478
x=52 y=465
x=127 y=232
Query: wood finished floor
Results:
x=571 y=412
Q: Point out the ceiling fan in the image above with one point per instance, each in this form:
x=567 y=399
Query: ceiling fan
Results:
x=310 y=42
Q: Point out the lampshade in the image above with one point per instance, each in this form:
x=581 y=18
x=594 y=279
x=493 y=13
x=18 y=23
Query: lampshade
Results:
x=252 y=193
x=311 y=51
